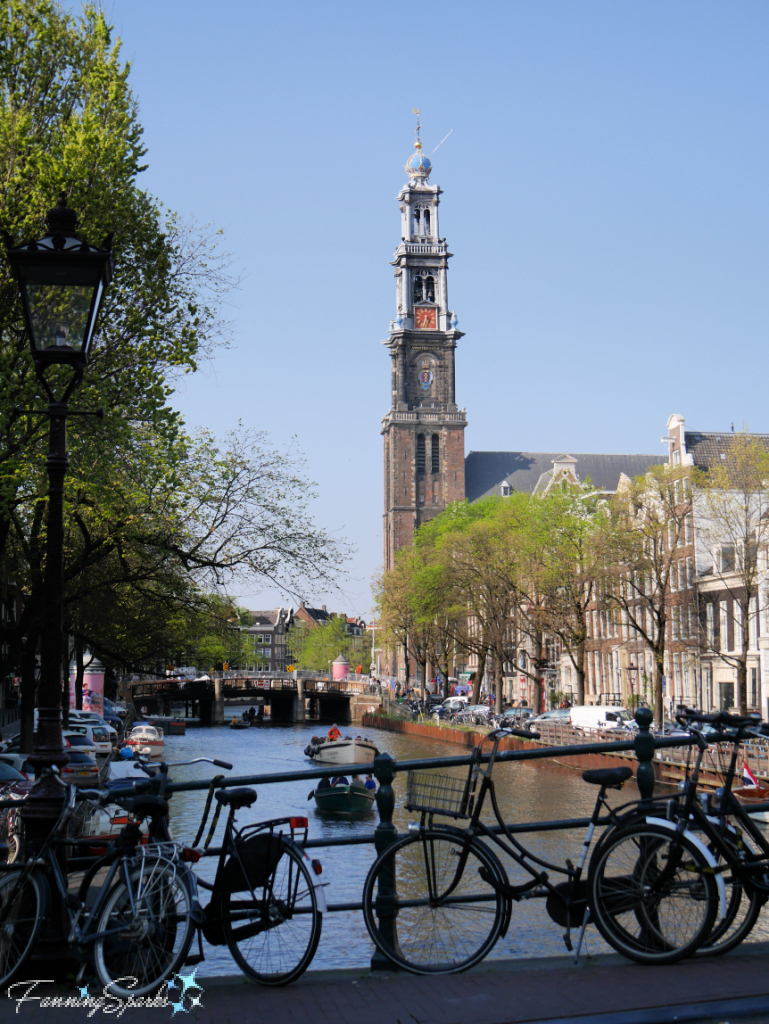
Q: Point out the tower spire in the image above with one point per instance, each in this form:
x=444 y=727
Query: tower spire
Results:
x=418 y=143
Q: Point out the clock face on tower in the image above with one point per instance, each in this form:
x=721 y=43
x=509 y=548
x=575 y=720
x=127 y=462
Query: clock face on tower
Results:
x=426 y=318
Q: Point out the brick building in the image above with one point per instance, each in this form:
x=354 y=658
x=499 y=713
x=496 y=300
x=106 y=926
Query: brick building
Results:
x=424 y=452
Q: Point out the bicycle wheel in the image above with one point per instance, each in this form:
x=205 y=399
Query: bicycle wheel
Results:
x=148 y=928
x=24 y=903
x=652 y=894
x=743 y=906
x=442 y=917
x=273 y=928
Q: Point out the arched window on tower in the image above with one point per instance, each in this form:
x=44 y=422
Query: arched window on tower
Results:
x=429 y=289
x=435 y=454
x=417 y=221
x=420 y=453
x=417 y=290
x=426 y=221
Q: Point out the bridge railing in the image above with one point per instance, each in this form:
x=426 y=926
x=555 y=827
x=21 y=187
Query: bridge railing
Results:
x=385 y=768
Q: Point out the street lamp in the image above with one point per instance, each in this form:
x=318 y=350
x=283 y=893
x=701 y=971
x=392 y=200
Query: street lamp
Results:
x=61 y=282
x=631 y=675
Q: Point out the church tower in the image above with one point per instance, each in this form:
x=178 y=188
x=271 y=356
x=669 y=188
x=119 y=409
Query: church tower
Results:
x=424 y=447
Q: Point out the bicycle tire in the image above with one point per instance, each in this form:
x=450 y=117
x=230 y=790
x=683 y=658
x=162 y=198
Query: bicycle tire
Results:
x=443 y=934
x=150 y=944
x=273 y=929
x=652 y=894
x=24 y=903
x=743 y=907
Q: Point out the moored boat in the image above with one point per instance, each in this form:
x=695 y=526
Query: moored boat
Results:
x=146 y=739
x=355 y=799
x=345 y=750
x=239 y=723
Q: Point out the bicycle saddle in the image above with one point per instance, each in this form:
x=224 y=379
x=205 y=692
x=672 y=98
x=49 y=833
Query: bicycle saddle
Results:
x=242 y=797
x=607 y=776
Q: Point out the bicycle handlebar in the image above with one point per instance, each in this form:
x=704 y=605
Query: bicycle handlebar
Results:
x=514 y=732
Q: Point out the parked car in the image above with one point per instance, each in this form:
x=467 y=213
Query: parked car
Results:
x=10 y=774
x=92 y=718
x=556 y=715
x=19 y=763
x=101 y=735
x=600 y=717
x=79 y=741
x=80 y=768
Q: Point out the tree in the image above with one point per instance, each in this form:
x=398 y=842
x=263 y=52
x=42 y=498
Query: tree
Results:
x=315 y=648
x=732 y=514
x=570 y=566
x=641 y=541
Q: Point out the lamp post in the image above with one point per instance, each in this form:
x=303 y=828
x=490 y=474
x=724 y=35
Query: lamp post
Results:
x=61 y=282
x=631 y=675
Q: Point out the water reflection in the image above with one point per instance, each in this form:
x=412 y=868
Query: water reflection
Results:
x=526 y=793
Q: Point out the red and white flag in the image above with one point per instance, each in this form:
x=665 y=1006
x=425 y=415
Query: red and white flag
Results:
x=748 y=778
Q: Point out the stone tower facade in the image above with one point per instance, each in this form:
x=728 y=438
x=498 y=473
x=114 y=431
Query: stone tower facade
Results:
x=424 y=447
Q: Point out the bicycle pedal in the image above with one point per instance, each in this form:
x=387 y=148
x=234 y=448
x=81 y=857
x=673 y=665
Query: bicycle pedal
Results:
x=195 y=958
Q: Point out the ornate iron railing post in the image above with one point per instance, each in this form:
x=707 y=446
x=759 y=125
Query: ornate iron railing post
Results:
x=384 y=836
x=644 y=751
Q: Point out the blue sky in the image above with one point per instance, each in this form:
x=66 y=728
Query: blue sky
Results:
x=605 y=198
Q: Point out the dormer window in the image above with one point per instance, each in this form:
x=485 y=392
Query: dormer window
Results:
x=505 y=490
x=424 y=287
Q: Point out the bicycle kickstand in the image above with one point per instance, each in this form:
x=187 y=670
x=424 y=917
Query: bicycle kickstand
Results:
x=583 y=929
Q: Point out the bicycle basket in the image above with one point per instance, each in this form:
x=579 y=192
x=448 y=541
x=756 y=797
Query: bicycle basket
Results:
x=440 y=794
x=259 y=855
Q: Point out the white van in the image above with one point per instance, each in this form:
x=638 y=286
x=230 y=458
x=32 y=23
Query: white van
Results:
x=592 y=717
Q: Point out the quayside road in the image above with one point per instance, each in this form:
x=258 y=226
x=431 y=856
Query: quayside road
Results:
x=603 y=990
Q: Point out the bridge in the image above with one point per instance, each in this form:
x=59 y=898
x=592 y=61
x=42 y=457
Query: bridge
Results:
x=290 y=699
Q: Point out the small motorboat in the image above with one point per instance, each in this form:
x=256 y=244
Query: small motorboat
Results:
x=240 y=723
x=755 y=800
x=146 y=739
x=345 y=750
x=354 y=799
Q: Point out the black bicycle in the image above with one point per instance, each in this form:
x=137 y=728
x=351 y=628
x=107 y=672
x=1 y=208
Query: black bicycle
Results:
x=138 y=928
x=267 y=900
x=438 y=899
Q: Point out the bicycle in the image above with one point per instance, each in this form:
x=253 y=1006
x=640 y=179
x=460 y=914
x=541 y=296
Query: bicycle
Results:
x=138 y=929
x=740 y=870
x=438 y=899
x=267 y=900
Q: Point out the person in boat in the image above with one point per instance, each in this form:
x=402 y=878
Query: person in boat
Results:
x=334 y=733
x=252 y=713
x=324 y=784
x=340 y=780
x=370 y=783
x=356 y=783
x=260 y=713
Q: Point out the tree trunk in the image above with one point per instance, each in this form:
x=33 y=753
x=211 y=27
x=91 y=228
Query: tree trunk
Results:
x=476 y=698
x=537 y=697
x=27 y=694
x=659 y=710
x=498 y=663
x=406 y=661
x=79 y=674
x=741 y=697
x=580 y=667
x=423 y=671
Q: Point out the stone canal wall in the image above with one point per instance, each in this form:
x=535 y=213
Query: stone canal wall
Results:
x=669 y=765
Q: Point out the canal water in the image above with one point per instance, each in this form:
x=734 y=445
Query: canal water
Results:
x=531 y=792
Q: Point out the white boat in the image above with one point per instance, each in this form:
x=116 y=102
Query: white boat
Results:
x=146 y=739
x=342 y=751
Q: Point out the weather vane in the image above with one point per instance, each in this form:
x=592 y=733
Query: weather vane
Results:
x=415 y=110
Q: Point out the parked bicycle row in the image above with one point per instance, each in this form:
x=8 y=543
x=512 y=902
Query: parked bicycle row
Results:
x=661 y=879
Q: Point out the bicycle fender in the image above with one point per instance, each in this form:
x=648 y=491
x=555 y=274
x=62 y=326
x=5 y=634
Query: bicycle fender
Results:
x=318 y=886
x=670 y=827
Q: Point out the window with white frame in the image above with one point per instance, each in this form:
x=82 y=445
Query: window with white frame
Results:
x=738 y=624
x=710 y=623
x=753 y=624
x=724 y=624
